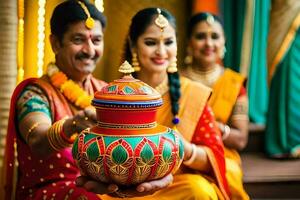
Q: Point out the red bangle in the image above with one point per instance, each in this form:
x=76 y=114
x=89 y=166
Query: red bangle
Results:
x=69 y=140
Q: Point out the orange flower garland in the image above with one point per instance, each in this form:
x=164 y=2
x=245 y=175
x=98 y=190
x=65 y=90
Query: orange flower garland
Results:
x=72 y=91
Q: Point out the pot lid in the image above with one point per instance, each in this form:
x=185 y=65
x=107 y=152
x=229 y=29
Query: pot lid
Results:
x=127 y=92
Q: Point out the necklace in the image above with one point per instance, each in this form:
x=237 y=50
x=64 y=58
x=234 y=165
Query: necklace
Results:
x=72 y=91
x=208 y=78
x=163 y=87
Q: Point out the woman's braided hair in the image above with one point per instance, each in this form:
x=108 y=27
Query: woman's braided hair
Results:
x=175 y=93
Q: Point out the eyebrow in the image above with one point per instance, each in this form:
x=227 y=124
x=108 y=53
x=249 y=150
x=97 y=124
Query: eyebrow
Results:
x=84 y=34
x=155 y=38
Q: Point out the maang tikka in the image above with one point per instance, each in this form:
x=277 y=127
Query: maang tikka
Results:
x=89 y=22
x=161 y=21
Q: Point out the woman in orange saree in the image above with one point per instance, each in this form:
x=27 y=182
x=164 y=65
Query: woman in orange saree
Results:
x=152 y=49
x=229 y=98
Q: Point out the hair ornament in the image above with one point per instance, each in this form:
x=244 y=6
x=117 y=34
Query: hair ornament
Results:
x=176 y=120
x=89 y=22
x=161 y=21
x=210 y=19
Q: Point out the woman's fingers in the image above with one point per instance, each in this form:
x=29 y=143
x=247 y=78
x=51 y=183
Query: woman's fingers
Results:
x=95 y=186
x=146 y=188
x=156 y=184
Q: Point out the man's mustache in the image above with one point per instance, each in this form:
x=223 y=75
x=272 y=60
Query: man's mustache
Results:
x=83 y=55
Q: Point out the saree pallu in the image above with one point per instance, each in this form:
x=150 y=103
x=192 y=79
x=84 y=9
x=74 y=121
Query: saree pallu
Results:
x=197 y=125
x=36 y=177
x=227 y=89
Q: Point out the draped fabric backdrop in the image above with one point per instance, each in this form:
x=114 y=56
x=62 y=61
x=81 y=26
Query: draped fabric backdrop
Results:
x=257 y=70
x=246 y=27
x=8 y=68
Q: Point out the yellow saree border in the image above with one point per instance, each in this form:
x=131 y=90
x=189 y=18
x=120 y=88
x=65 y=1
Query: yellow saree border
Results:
x=225 y=93
x=191 y=105
x=284 y=46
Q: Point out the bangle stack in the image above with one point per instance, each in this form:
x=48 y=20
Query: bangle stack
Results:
x=56 y=136
x=193 y=156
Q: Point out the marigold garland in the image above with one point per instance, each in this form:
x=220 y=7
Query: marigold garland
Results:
x=72 y=91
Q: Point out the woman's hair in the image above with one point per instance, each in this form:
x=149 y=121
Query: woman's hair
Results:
x=202 y=16
x=70 y=12
x=139 y=23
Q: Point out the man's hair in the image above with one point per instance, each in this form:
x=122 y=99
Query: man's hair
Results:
x=70 y=12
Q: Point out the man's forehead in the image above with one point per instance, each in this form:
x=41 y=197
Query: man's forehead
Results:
x=81 y=29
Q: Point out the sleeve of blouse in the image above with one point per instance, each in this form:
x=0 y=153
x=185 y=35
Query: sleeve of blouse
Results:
x=32 y=99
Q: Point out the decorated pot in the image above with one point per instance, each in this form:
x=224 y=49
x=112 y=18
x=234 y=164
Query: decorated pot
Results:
x=127 y=146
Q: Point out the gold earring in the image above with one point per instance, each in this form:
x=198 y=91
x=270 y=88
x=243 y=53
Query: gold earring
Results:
x=188 y=60
x=135 y=62
x=172 y=68
x=222 y=52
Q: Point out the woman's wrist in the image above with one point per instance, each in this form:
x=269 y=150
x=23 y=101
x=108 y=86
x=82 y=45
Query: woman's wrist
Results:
x=192 y=156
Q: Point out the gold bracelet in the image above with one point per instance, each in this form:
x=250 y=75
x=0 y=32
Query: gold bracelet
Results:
x=193 y=156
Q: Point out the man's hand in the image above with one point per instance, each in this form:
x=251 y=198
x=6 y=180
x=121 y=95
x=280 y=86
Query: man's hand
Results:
x=143 y=189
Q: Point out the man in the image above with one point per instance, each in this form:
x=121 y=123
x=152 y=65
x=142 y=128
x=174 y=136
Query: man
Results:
x=47 y=113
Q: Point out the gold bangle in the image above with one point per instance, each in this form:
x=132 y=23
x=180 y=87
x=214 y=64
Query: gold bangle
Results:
x=193 y=156
x=54 y=136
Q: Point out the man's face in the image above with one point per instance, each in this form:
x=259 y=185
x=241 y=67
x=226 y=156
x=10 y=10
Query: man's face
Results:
x=79 y=50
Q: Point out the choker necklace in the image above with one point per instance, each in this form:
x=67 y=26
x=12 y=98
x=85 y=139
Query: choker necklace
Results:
x=71 y=90
x=208 y=77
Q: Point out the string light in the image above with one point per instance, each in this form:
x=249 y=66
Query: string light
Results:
x=20 y=47
x=41 y=37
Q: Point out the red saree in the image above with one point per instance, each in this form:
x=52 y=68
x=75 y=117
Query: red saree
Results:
x=40 y=178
